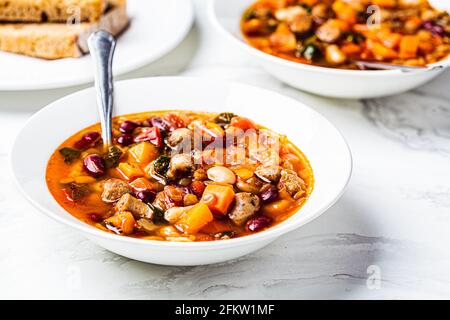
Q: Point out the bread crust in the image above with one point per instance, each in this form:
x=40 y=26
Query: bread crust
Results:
x=58 y=40
x=52 y=10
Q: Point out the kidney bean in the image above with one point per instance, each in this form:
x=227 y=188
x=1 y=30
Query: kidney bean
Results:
x=153 y=135
x=258 y=223
x=125 y=139
x=146 y=196
x=176 y=194
x=438 y=30
x=269 y=194
x=128 y=126
x=174 y=121
x=197 y=188
x=94 y=165
x=434 y=28
x=160 y=123
x=94 y=217
x=88 y=140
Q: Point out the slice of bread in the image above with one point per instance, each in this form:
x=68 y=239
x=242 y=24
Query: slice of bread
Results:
x=58 y=40
x=52 y=10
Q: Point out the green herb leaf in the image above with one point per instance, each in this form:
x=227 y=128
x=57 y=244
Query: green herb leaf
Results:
x=69 y=154
x=224 y=235
x=112 y=157
x=75 y=192
x=158 y=213
x=224 y=118
x=354 y=37
x=249 y=14
x=161 y=165
x=310 y=52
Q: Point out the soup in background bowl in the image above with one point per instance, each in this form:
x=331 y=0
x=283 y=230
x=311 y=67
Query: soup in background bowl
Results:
x=226 y=17
x=337 y=33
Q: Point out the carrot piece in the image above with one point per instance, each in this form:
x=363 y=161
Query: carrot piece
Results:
x=389 y=39
x=141 y=184
x=366 y=54
x=342 y=25
x=361 y=28
x=408 y=47
x=309 y=3
x=243 y=123
x=208 y=129
x=216 y=226
x=218 y=198
x=144 y=152
x=195 y=219
x=344 y=12
x=276 y=208
x=351 y=49
x=385 y=3
x=129 y=171
x=123 y=221
x=412 y=24
x=381 y=52
x=437 y=40
x=426 y=47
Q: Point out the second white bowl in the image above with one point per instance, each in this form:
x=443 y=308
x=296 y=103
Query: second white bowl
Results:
x=225 y=15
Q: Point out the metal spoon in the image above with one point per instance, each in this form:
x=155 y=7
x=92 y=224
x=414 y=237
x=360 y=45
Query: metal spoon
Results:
x=390 y=66
x=101 y=46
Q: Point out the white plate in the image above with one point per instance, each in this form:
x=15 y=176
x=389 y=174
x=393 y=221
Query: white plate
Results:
x=156 y=28
x=225 y=16
x=318 y=138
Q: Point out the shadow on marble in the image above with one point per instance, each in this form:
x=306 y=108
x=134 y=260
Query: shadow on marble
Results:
x=301 y=264
x=419 y=119
x=171 y=64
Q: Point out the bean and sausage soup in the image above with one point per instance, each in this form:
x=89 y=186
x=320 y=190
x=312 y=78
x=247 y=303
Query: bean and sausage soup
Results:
x=180 y=176
x=337 y=33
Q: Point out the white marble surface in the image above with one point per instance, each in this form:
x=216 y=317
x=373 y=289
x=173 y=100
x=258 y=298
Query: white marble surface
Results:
x=393 y=220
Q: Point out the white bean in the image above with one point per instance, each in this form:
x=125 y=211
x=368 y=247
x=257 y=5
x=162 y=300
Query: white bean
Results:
x=173 y=214
x=334 y=55
x=221 y=175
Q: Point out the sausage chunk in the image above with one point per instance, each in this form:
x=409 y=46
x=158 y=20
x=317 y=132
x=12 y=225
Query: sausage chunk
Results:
x=296 y=17
x=301 y=24
x=160 y=201
x=268 y=173
x=179 y=138
x=180 y=165
x=246 y=205
x=328 y=32
x=290 y=181
x=283 y=39
x=290 y=13
x=114 y=189
x=146 y=225
x=320 y=12
x=139 y=209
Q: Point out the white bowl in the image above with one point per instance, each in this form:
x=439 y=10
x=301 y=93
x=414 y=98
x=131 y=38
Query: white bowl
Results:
x=319 y=139
x=225 y=15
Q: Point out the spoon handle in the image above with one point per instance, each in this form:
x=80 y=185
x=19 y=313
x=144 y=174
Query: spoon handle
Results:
x=390 y=66
x=101 y=46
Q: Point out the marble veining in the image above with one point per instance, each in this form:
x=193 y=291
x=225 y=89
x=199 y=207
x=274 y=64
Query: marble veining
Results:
x=336 y=260
x=417 y=119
